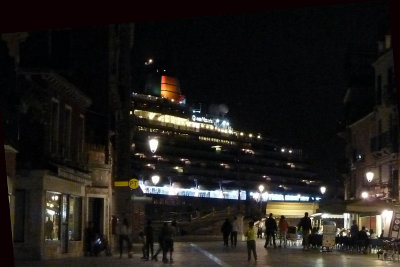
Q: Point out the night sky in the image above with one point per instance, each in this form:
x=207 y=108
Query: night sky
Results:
x=281 y=72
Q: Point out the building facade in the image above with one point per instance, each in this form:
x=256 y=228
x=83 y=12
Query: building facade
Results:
x=373 y=152
x=63 y=167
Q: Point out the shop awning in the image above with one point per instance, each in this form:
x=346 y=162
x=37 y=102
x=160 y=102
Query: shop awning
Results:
x=368 y=206
x=328 y=216
x=291 y=209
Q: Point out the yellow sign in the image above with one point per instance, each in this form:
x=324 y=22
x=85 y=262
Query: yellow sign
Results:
x=121 y=183
x=133 y=183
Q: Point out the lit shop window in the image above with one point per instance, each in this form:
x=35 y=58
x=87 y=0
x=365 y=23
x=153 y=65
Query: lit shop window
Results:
x=52 y=216
x=74 y=218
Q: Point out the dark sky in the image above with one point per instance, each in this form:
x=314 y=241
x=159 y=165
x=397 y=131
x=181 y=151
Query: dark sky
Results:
x=280 y=72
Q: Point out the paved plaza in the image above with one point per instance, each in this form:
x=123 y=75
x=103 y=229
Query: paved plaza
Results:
x=212 y=253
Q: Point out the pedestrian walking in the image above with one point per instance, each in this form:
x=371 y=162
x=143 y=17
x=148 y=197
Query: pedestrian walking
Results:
x=123 y=236
x=226 y=229
x=251 y=241
x=168 y=246
x=362 y=240
x=305 y=226
x=235 y=229
x=283 y=229
x=148 y=231
x=270 y=230
x=142 y=239
x=353 y=235
x=259 y=232
x=160 y=243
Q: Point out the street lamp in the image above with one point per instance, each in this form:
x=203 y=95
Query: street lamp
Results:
x=370 y=176
x=261 y=188
x=155 y=179
x=364 y=195
x=153 y=143
x=323 y=189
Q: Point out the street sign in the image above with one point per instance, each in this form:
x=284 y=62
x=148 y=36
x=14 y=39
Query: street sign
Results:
x=121 y=183
x=133 y=183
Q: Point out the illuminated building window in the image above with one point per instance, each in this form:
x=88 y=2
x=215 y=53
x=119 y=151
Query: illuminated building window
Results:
x=75 y=218
x=52 y=216
x=178 y=169
x=150 y=166
x=140 y=155
x=56 y=209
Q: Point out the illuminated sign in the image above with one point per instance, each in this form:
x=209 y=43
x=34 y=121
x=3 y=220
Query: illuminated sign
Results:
x=133 y=183
x=281 y=197
x=226 y=194
x=191 y=192
x=201 y=119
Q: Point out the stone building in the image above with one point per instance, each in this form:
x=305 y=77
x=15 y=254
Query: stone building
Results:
x=63 y=165
x=372 y=184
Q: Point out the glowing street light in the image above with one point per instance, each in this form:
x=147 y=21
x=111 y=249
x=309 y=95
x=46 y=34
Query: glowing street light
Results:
x=364 y=195
x=155 y=179
x=323 y=189
x=153 y=143
x=370 y=176
x=261 y=188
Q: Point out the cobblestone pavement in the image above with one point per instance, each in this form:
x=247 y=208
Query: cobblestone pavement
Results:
x=214 y=254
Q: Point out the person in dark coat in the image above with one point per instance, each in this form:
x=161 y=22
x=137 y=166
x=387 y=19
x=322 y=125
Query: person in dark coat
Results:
x=226 y=230
x=362 y=240
x=148 y=231
x=270 y=230
x=90 y=235
x=353 y=234
x=160 y=243
x=305 y=226
x=123 y=236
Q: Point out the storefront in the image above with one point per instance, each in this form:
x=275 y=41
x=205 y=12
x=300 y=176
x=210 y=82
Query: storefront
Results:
x=375 y=215
x=293 y=211
x=49 y=215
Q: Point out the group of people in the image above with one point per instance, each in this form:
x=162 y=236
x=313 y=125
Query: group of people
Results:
x=123 y=231
x=165 y=241
x=271 y=227
x=358 y=239
x=230 y=229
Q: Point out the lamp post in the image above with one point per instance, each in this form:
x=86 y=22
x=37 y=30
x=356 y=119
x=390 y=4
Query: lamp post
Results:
x=153 y=144
x=364 y=195
x=261 y=189
x=323 y=189
x=155 y=179
x=370 y=176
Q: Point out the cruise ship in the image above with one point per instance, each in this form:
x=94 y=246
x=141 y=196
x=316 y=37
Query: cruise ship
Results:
x=185 y=159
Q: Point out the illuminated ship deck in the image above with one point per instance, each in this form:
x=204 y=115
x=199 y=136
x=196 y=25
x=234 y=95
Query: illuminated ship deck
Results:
x=204 y=157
